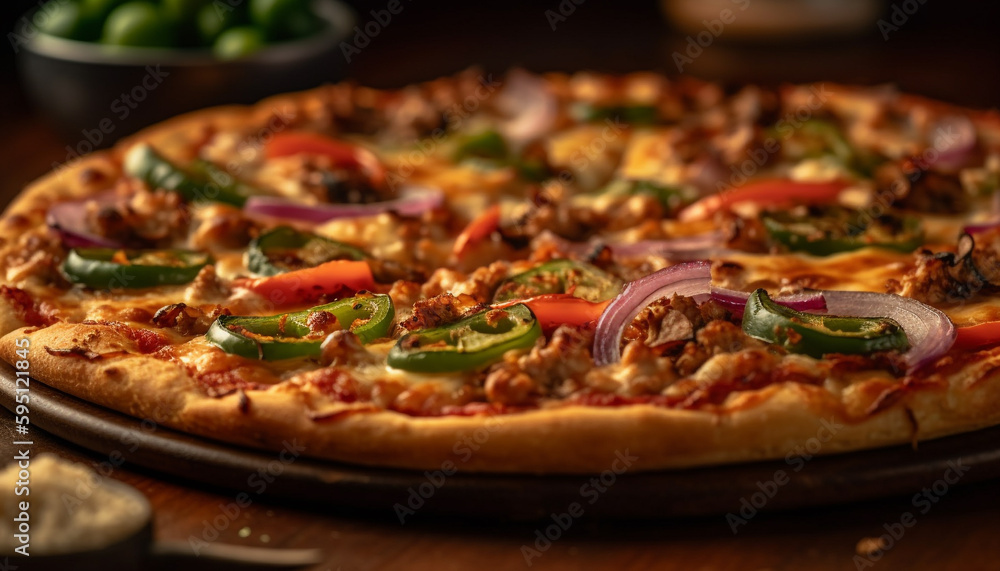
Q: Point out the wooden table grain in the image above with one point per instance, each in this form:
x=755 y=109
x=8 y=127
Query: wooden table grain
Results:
x=938 y=54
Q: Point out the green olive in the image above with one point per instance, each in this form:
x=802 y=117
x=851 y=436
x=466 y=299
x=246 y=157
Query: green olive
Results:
x=214 y=18
x=184 y=10
x=301 y=23
x=238 y=42
x=137 y=24
x=65 y=21
x=272 y=15
x=98 y=10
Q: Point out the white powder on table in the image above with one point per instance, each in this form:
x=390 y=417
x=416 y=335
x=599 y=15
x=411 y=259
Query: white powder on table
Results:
x=71 y=508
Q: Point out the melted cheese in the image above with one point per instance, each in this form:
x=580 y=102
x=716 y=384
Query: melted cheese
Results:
x=868 y=269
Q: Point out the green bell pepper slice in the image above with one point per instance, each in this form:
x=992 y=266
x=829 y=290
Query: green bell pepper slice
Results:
x=817 y=335
x=110 y=268
x=828 y=231
x=144 y=163
x=472 y=343
x=485 y=145
x=815 y=137
x=235 y=189
x=285 y=249
x=288 y=335
x=560 y=276
x=672 y=198
x=490 y=150
x=633 y=114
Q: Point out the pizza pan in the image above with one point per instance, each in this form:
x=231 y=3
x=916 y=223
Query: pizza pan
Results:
x=772 y=485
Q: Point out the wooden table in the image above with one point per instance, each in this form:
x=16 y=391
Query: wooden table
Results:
x=959 y=531
x=940 y=54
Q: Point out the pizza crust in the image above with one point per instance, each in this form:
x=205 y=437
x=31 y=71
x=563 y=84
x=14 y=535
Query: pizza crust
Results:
x=781 y=421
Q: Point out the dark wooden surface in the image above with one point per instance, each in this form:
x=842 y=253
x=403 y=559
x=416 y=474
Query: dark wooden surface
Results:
x=958 y=532
x=804 y=481
x=947 y=49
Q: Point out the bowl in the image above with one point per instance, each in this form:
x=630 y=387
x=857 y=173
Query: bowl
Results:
x=128 y=553
x=94 y=94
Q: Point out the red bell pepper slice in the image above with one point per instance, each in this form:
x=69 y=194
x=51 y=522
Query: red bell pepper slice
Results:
x=308 y=284
x=771 y=191
x=478 y=230
x=975 y=336
x=555 y=309
x=343 y=155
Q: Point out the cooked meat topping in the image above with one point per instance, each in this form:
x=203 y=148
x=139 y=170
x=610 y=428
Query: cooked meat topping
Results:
x=206 y=287
x=669 y=320
x=714 y=338
x=919 y=188
x=144 y=219
x=555 y=367
x=946 y=277
x=323 y=322
x=342 y=348
x=187 y=320
x=220 y=226
x=441 y=310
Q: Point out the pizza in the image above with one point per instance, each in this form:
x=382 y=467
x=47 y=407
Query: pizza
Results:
x=527 y=274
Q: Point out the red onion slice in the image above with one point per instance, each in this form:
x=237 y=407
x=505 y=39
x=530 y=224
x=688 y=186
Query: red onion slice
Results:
x=992 y=222
x=954 y=138
x=692 y=279
x=687 y=248
x=736 y=301
x=412 y=202
x=530 y=107
x=928 y=330
x=69 y=219
x=981 y=227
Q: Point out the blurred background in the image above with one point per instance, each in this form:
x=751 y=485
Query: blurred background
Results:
x=948 y=50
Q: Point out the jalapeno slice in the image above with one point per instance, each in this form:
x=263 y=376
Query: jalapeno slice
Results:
x=560 y=276
x=489 y=149
x=300 y=334
x=818 y=335
x=469 y=344
x=671 y=197
x=485 y=145
x=285 y=249
x=110 y=268
x=827 y=231
x=815 y=137
x=638 y=114
x=144 y=163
